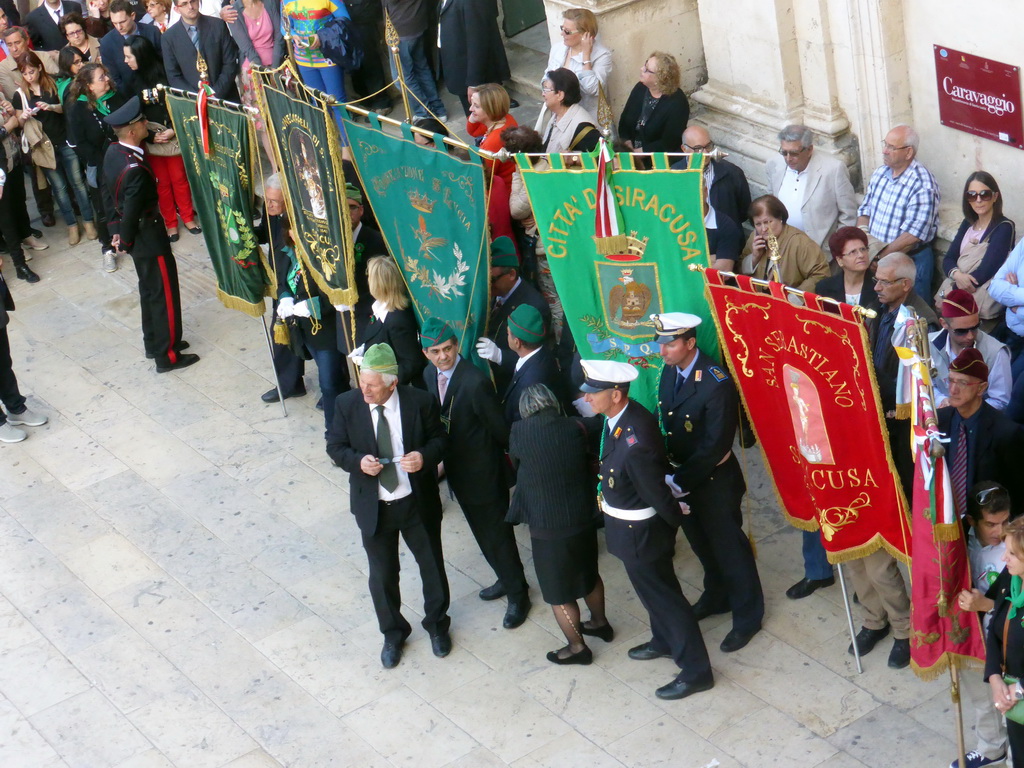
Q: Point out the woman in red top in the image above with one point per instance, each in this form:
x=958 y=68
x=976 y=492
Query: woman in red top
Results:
x=488 y=117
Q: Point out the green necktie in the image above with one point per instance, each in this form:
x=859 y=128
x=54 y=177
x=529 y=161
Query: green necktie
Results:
x=389 y=474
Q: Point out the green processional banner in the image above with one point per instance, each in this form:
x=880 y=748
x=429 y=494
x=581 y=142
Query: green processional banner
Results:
x=222 y=187
x=432 y=212
x=304 y=136
x=608 y=291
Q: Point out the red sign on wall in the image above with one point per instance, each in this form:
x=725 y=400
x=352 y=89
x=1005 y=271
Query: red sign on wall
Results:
x=979 y=96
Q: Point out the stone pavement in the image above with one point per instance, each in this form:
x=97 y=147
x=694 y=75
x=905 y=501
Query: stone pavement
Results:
x=181 y=584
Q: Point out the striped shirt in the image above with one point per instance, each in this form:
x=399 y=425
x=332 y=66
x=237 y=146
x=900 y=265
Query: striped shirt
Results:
x=905 y=203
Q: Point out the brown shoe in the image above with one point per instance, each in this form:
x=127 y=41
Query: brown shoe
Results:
x=74 y=236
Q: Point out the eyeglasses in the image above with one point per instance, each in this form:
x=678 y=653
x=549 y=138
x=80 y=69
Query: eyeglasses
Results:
x=888 y=283
x=569 y=33
x=985 y=194
x=700 y=148
x=965 y=331
x=74 y=32
x=887 y=147
x=961 y=384
x=547 y=90
x=855 y=252
x=793 y=152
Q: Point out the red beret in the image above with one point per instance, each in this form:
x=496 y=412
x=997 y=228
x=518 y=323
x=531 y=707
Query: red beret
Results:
x=970 y=363
x=959 y=303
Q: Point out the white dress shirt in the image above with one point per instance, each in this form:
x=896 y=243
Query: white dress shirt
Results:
x=393 y=413
x=792 y=196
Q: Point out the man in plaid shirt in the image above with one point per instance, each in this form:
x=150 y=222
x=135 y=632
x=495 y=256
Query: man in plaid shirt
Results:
x=901 y=204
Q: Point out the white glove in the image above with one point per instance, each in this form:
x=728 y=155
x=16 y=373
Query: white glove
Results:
x=488 y=350
x=583 y=407
x=301 y=309
x=674 y=487
x=356 y=355
x=286 y=307
x=343 y=307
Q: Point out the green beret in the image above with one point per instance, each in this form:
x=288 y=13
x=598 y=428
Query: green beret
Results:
x=526 y=324
x=503 y=253
x=352 y=193
x=380 y=358
x=435 y=331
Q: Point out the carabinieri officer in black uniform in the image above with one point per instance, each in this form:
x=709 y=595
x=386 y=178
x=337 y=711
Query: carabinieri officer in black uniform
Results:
x=699 y=409
x=139 y=231
x=641 y=518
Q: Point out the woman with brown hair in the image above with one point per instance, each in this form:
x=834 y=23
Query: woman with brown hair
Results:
x=656 y=111
x=571 y=128
x=72 y=26
x=801 y=264
x=160 y=14
x=391 y=320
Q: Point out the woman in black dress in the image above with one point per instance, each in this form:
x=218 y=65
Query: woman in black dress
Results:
x=656 y=111
x=391 y=320
x=554 y=495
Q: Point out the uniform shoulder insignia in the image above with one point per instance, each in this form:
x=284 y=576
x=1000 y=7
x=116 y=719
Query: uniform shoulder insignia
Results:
x=718 y=373
x=632 y=440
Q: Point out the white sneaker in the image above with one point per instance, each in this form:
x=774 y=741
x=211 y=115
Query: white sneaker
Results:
x=27 y=418
x=9 y=434
x=110 y=261
x=34 y=244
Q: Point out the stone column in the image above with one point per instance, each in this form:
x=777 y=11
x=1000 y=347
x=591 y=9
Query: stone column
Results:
x=632 y=29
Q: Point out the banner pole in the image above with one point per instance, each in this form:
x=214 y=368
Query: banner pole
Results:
x=954 y=692
x=393 y=41
x=849 y=619
x=270 y=350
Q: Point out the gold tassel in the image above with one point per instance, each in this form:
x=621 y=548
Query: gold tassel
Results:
x=281 y=334
x=609 y=246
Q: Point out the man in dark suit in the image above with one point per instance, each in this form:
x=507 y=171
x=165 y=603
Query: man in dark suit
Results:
x=984 y=444
x=509 y=291
x=390 y=440
x=727 y=189
x=44 y=24
x=138 y=231
x=471 y=48
x=194 y=34
x=536 y=363
x=699 y=409
x=122 y=16
x=640 y=521
x=475 y=463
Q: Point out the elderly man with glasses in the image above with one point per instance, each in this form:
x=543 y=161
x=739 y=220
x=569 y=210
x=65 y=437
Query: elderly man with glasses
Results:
x=814 y=187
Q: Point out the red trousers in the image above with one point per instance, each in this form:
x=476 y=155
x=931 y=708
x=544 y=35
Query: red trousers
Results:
x=173 y=190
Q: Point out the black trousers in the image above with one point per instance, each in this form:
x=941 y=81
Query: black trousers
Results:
x=99 y=210
x=1015 y=735
x=646 y=548
x=370 y=77
x=11 y=396
x=714 y=529
x=288 y=367
x=14 y=222
x=497 y=542
x=423 y=537
x=159 y=300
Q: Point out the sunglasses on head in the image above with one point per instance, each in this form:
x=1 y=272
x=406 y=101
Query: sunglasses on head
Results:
x=985 y=194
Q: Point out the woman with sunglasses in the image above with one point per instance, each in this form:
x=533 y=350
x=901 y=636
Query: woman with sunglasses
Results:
x=579 y=51
x=980 y=247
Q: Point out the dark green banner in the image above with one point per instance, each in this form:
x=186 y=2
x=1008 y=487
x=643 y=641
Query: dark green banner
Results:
x=304 y=136
x=222 y=188
x=609 y=294
x=432 y=211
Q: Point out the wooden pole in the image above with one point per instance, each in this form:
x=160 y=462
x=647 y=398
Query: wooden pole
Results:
x=954 y=692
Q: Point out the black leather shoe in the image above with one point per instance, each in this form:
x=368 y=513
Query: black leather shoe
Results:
x=24 y=273
x=441 y=644
x=586 y=656
x=196 y=230
x=181 y=346
x=390 y=654
x=36 y=232
x=516 y=613
x=48 y=220
x=605 y=632
x=645 y=653
x=736 y=640
x=806 y=587
x=184 y=361
x=679 y=689
x=492 y=592
x=867 y=639
x=704 y=608
x=899 y=656
x=174 y=237
x=512 y=104
x=271 y=396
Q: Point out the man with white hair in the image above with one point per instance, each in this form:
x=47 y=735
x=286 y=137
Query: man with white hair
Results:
x=901 y=205
x=814 y=187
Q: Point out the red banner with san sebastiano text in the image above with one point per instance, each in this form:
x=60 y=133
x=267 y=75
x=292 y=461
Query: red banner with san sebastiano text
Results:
x=807 y=381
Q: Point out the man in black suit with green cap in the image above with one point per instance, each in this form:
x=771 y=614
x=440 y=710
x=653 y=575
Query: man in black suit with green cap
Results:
x=475 y=463
x=535 y=363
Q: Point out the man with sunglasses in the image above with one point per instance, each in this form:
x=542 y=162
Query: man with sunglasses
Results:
x=960 y=331
x=814 y=187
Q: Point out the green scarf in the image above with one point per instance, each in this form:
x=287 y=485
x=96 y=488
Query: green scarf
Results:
x=1016 y=597
x=101 y=103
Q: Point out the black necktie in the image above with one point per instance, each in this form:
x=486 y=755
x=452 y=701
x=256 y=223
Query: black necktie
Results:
x=680 y=380
x=389 y=474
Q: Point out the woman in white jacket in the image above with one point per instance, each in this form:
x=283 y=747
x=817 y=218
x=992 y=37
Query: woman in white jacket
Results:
x=579 y=51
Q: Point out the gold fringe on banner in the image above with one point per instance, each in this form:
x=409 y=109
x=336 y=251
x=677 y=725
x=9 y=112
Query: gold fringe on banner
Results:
x=234 y=302
x=939 y=667
x=611 y=245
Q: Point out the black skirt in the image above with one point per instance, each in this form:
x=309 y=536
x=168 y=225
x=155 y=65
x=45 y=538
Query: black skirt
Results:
x=566 y=566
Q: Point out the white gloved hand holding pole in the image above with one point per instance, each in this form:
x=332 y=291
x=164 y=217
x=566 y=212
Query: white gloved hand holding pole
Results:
x=488 y=350
x=286 y=307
